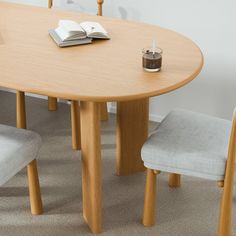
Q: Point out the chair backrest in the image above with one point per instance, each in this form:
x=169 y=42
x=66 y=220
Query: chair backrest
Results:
x=50 y=2
x=99 y=2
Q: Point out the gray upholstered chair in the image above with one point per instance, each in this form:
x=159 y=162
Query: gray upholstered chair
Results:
x=19 y=148
x=188 y=143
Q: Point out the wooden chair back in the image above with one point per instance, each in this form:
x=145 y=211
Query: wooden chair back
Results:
x=99 y=2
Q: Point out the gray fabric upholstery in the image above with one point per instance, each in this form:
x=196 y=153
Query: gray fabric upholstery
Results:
x=18 y=147
x=189 y=143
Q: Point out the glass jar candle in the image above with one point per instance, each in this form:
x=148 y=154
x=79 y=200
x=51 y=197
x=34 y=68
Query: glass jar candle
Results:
x=152 y=59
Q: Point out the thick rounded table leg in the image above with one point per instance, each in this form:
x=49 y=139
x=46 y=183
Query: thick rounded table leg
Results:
x=34 y=189
x=132 y=132
x=150 y=199
x=91 y=165
x=75 y=125
x=52 y=104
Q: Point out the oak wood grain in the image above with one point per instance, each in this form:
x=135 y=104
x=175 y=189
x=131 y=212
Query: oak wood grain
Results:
x=107 y=70
x=91 y=165
x=132 y=132
x=52 y=102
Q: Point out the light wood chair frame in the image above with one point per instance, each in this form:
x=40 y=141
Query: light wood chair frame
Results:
x=99 y=2
x=32 y=172
x=225 y=218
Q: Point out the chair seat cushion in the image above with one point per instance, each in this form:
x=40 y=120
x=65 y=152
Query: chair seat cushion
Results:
x=189 y=143
x=18 y=147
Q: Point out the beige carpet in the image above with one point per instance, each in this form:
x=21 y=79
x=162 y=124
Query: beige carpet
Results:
x=189 y=210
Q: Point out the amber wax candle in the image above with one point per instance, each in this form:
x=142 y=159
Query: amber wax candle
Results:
x=152 y=59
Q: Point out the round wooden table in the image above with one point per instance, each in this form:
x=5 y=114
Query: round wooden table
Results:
x=107 y=70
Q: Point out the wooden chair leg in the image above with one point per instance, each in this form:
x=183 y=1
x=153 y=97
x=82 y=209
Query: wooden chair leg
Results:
x=20 y=110
x=103 y=111
x=52 y=104
x=34 y=189
x=75 y=125
x=150 y=199
x=225 y=221
x=174 y=180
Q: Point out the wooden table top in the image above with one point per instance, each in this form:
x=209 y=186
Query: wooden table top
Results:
x=107 y=70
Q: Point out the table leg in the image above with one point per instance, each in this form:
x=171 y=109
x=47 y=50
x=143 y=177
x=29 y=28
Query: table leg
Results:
x=103 y=111
x=132 y=132
x=20 y=110
x=75 y=125
x=91 y=164
x=52 y=104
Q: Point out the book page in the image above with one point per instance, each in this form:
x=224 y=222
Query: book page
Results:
x=62 y=33
x=70 y=30
x=67 y=43
x=70 y=26
x=94 y=29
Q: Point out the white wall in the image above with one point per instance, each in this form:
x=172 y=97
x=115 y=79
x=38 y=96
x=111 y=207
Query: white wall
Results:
x=210 y=23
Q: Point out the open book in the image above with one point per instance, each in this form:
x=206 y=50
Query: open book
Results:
x=70 y=30
x=67 y=43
